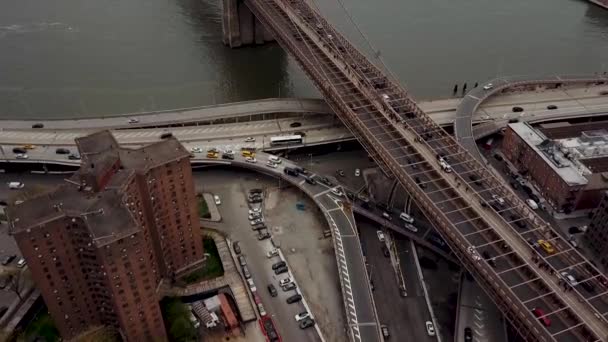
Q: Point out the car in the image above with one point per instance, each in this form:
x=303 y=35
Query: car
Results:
x=411 y=227
x=227 y=156
x=288 y=287
x=237 y=247
x=357 y=172
x=196 y=150
x=255 y=200
x=256 y=221
x=294 y=299
x=217 y=200
x=73 y=156
x=540 y=314
x=517 y=109
x=275 y=159
x=531 y=203
x=15 y=186
x=546 y=246
x=498 y=199
x=280 y=270
x=133 y=120
x=385 y=333
x=251 y=285
x=488 y=86
x=29 y=146
x=251 y=160
x=306 y=323
x=8 y=259
x=38 y=125
x=407 y=218
x=310 y=180
x=62 y=150
x=21 y=156
x=264 y=236
x=430 y=329
x=19 y=150
x=285 y=281
x=242 y=260
x=489 y=258
x=255 y=210
x=271 y=164
x=246 y=272
x=386 y=215
x=166 y=135
x=302 y=315
x=250 y=139
x=258 y=226
x=272 y=290
x=468 y=334
x=254 y=216
x=271 y=253
x=569 y=278
x=336 y=192
x=381 y=236
x=551 y=107
x=473 y=252
x=278 y=265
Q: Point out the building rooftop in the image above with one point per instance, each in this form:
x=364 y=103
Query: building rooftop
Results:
x=103 y=212
x=549 y=151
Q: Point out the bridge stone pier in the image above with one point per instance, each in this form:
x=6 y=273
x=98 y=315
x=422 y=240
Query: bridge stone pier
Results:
x=240 y=27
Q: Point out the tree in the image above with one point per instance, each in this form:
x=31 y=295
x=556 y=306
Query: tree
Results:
x=18 y=278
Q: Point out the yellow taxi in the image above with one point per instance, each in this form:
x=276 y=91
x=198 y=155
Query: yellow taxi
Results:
x=546 y=246
x=213 y=154
x=248 y=153
x=29 y=146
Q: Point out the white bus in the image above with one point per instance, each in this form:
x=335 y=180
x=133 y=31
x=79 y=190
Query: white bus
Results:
x=286 y=140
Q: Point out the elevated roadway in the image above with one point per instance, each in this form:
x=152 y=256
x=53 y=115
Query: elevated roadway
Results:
x=590 y=95
x=398 y=134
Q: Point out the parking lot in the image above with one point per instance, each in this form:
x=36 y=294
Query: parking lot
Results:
x=310 y=260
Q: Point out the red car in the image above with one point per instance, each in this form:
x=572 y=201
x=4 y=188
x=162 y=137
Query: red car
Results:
x=541 y=316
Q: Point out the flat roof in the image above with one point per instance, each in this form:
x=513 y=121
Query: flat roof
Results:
x=570 y=174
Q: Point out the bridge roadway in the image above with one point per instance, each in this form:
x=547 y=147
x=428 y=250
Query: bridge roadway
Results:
x=397 y=134
x=465 y=112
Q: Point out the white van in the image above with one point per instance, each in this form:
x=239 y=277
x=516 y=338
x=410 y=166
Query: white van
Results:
x=532 y=204
x=275 y=159
x=407 y=218
x=15 y=185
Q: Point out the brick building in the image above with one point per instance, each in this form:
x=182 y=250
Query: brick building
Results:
x=596 y=235
x=99 y=245
x=568 y=163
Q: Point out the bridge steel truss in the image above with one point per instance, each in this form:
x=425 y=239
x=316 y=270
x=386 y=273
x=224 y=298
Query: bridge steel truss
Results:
x=476 y=214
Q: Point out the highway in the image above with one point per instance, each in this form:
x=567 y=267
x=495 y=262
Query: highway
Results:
x=393 y=128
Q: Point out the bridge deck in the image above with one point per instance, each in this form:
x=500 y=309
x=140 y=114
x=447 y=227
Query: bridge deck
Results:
x=397 y=134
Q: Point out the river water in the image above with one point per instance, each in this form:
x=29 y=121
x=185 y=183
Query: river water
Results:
x=79 y=58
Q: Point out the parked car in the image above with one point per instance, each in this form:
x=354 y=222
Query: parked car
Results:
x=336 y=192
x=468 y=334
x=288 y=287
x=302 y=315
x=294 y=299
x=264 y=236
x=271 y=253
x=256 y=221
x=407 y=218
x=280 y=270
x=21 y=156
x=62 y=150
x=357 y=172
x=246 y=272
x=569 y=278
x=279 y=264
x=411 y=227
x=272 y=290
x=21 y=262
x=73 y=156
x=517 y=109
x=8 y=259
x=306 y=323
x=386 y=215
x=37 y=125
x=236 y=247
x=546 y=246
x=285 y=281
x=217 y=199
x=242 y=260
x=551 y=107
